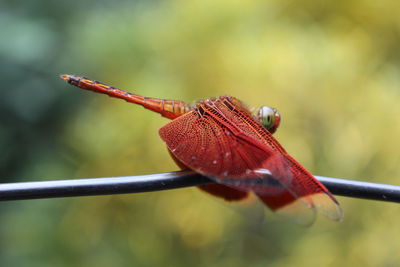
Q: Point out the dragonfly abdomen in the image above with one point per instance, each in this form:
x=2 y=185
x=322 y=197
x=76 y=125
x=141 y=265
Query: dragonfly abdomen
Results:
x=170 y=109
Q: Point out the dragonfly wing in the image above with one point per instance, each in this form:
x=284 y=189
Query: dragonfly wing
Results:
x=226 y=192
x=273 y=182
x=206 y=147
x=221 y=140
x=323 y=200
x=218 y=190
x=301 y=183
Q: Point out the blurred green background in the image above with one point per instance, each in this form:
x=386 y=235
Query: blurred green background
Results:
x=330 y=67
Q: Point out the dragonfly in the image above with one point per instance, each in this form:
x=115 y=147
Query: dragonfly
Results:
x=223 y=140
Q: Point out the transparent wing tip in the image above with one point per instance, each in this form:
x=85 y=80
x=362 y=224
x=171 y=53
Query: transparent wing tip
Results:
x=327 y=206
x=303 y=210
x=298 y=212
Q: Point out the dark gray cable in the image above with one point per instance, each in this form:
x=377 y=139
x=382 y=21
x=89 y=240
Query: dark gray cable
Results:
x=170 y=180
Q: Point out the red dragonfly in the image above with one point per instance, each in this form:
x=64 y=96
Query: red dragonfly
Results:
x=221 y=139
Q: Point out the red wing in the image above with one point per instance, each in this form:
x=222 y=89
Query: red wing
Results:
x=212 y=145
x=218 y=190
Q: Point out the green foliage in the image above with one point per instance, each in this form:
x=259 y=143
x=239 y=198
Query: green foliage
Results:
x=330 y=68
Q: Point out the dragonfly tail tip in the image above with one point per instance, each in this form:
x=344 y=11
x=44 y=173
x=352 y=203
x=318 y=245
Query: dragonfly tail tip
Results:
x=65 y=77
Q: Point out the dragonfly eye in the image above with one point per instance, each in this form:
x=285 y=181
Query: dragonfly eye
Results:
x=269 y=118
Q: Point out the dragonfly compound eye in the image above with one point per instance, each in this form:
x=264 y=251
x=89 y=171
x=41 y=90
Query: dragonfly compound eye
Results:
x=269 y=118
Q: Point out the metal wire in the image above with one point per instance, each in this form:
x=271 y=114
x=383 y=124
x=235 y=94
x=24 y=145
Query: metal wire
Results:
x=170 y=180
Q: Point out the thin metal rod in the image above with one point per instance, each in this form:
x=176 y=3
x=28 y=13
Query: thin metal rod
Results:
x=359 y=189
x=170 y=180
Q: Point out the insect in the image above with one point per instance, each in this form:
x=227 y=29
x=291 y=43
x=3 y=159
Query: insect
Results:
x=221 y=139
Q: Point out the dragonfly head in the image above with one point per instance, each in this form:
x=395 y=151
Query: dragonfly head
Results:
x=269 y=118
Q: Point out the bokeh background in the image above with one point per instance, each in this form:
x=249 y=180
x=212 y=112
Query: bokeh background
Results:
x=330 y=67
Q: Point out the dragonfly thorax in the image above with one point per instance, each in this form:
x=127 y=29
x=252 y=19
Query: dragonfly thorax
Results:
x=269 y=118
